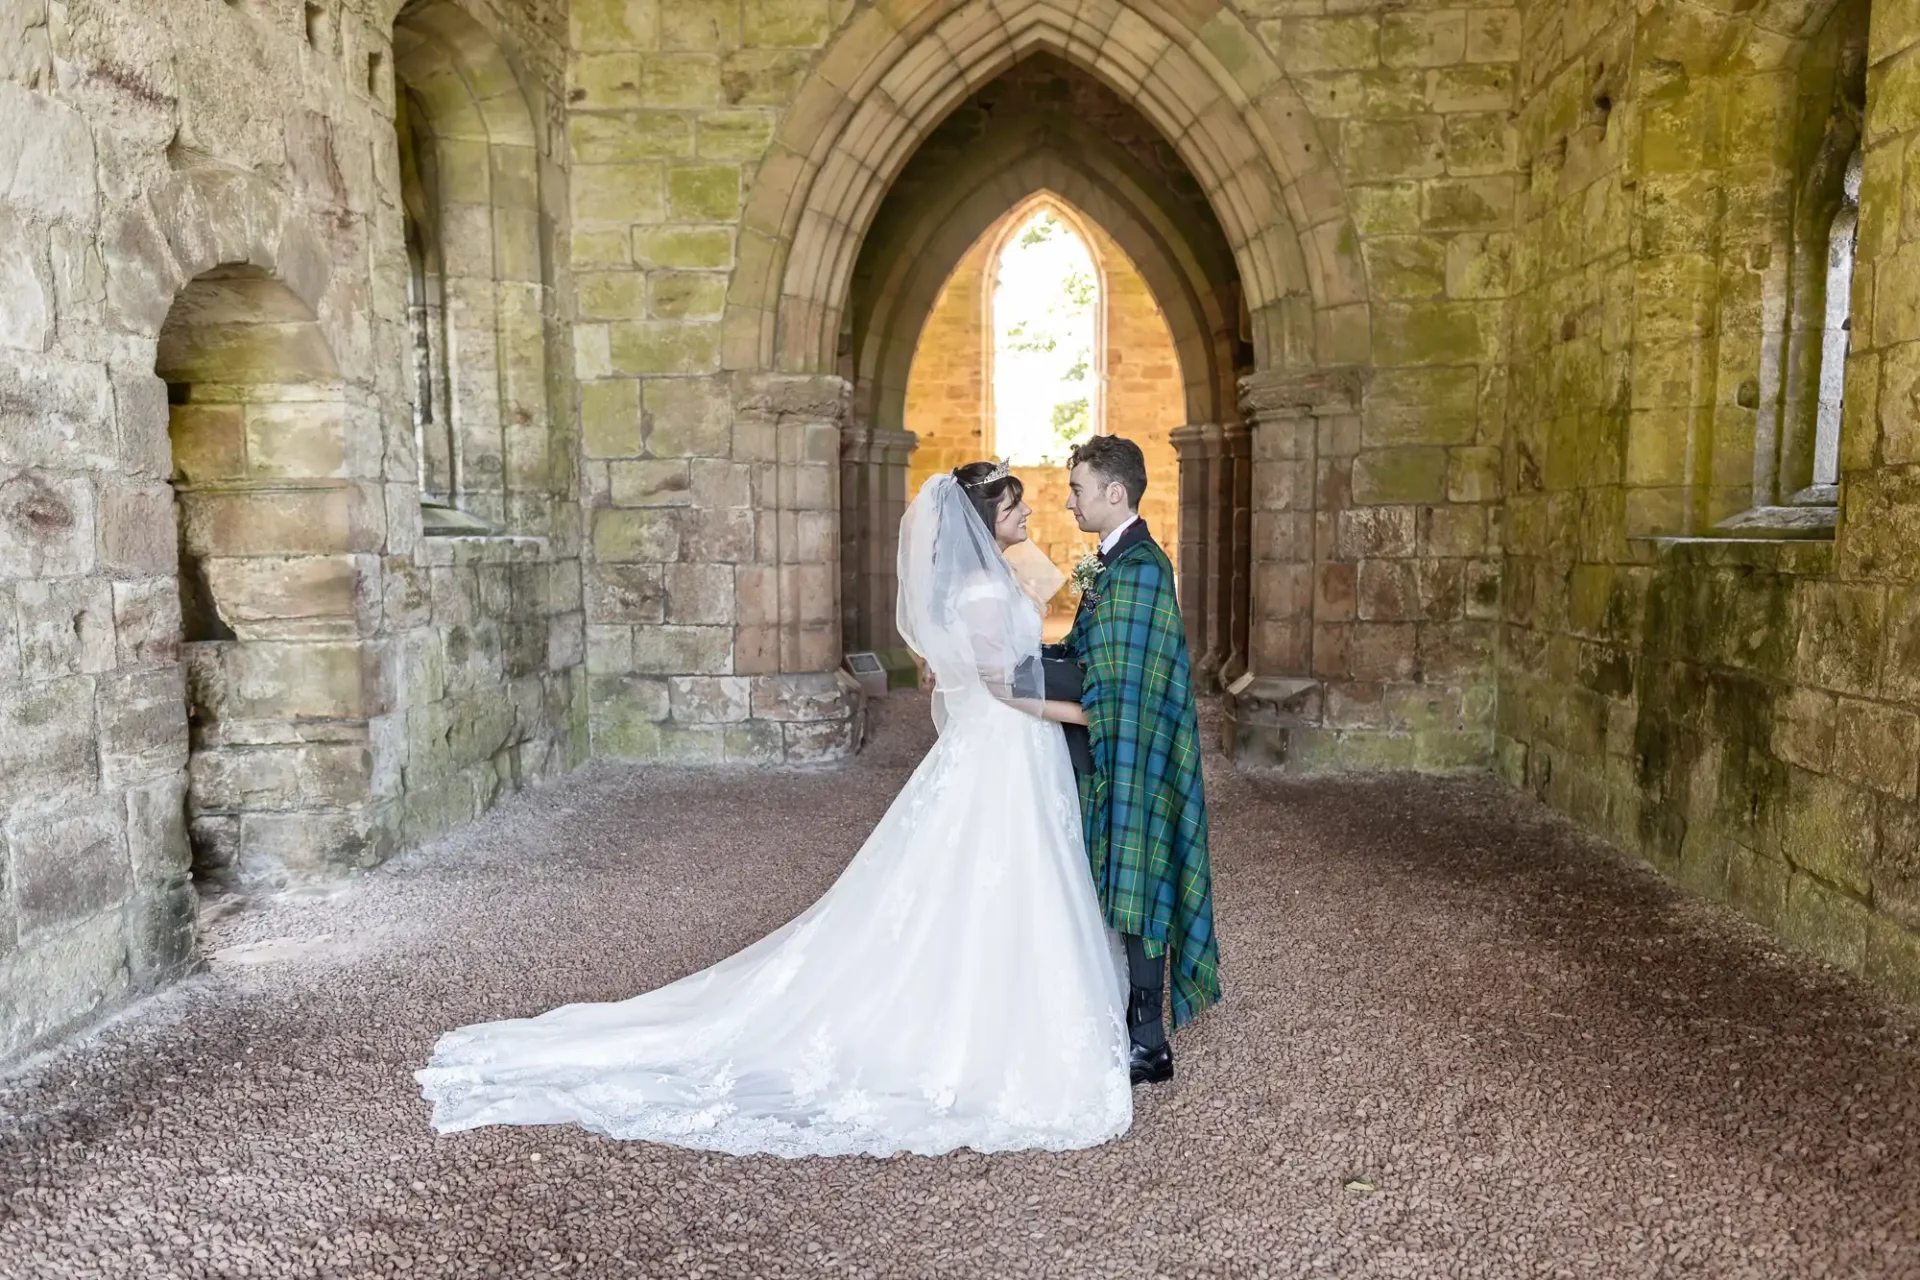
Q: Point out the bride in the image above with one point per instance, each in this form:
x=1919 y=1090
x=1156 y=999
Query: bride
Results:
x=955 y=987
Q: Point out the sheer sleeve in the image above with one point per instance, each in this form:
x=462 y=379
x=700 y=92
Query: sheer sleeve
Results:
x=989 y=615
x=959 y=605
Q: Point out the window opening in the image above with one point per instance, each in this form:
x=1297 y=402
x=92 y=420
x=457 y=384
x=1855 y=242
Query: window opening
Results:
x=1048 y=336
x=1837 y=331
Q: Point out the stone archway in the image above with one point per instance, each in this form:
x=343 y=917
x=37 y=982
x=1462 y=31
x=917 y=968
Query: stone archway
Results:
x=1197 y=73
x=277 y=550
x=1003 y=146
x=1132 y=381
x=904 y=265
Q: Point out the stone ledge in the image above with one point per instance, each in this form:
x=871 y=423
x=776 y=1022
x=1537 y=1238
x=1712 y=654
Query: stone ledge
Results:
x=1817 y=520
x=1788 y=554
x=438 y=551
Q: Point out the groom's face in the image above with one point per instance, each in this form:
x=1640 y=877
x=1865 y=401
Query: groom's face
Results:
x=1098 y=504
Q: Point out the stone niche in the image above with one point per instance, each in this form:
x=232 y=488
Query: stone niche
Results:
x=276 y=568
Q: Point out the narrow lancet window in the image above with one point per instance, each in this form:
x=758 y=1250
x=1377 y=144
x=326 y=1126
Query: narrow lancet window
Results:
x=1047 y=370
x=1837 y=329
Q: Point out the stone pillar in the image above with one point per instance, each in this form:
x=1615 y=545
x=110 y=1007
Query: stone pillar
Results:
x=873 y=494
x=793 y=650
x=1236 y=515
x=1277 y=694
x=1206 y=506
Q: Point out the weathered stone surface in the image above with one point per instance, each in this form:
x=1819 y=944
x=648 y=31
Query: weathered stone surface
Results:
x=56 y=413
x=669 y=650
x=293 y=597
x=699 y=594
x=632 y=536
x=652 y=482
x=69 y=862
x=688 y=416
x=157 y=847
x=297 y=847
x=73 y=974
x=722 y=700
x=65 y=626
x=47 y=744
x=146 y=622
x=141 y=718
x=280 y=680
x=46 y=525
x=26 y=277
x=46 y=157
x=626 y=594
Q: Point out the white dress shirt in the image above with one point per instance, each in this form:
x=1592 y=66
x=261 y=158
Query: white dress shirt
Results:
x=1108 y=543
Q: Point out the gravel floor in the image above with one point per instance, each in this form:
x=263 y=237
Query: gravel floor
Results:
x=1459 y=1040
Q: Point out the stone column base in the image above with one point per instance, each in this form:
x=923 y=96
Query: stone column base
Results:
x=1284 y=722
x=1265 y=715
x=820 y=716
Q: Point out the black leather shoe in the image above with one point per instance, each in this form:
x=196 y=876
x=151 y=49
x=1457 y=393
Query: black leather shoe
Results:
x=1151 y=1066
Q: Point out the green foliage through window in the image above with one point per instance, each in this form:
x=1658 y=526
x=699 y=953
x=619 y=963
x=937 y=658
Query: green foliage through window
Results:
x=1046 y=305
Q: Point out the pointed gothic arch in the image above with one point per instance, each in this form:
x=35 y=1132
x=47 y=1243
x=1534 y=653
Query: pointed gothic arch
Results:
x=1197 y=73
x=916 y=242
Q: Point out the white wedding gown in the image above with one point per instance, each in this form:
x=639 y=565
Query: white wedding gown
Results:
x=955 y=987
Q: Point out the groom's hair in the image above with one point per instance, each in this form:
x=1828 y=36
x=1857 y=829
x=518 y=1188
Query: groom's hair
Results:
x=987 y=496
x=1114 y=458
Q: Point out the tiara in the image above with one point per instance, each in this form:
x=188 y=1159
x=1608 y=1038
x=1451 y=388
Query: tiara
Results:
x=998 y=473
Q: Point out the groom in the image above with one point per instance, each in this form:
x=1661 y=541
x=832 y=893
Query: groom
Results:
x=1140 y=790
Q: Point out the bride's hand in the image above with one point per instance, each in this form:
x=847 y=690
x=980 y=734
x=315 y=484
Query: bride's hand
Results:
x=1063 y=712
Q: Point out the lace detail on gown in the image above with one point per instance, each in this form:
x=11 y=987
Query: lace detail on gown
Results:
x=955 y=987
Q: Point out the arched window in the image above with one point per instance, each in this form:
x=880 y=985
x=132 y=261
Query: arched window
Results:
x=426 y=305
x=1046 y=369
x=478 y=309
x=1838 y=327
x=1798 y=287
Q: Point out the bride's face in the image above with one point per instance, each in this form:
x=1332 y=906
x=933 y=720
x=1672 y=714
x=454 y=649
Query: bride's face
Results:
x=1010 y=526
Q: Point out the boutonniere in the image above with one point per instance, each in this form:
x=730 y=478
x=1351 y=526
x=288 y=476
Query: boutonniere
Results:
x=1086 y=577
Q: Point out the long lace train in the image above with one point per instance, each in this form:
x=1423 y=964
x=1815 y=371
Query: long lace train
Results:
x=956 y=986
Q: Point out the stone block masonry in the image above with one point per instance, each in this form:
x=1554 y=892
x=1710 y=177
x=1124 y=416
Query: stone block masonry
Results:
x=402 y=399
x=229 y=658
x=1691 y=662
x=712 y=496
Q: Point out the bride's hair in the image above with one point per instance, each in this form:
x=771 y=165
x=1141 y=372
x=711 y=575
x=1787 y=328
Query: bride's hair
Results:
x=987 y=485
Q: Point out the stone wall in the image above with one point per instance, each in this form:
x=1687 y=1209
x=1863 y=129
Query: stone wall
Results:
x=1145 y=401
x=1500 y=375
x=216 y=602
x=1692 y=662
x=1377 y=503
x=712 y=592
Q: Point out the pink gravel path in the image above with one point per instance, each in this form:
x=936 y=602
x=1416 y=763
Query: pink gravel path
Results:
x=1459 y=1040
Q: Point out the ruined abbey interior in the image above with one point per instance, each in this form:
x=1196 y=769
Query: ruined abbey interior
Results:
x=402 y=404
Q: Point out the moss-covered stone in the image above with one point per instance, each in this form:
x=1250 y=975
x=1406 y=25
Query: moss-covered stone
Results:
x=664 y=347
x=1405 y=475
x=1406 y=266
x=610 y=418
x=686 y=295
x=696 y=248
x=703 y=192
x=786 y=24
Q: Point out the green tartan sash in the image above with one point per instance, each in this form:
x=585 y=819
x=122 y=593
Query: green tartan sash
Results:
x=1144 y=807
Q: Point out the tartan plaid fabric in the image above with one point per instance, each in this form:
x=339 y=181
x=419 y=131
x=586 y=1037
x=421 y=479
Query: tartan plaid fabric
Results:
x=1143 y=805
